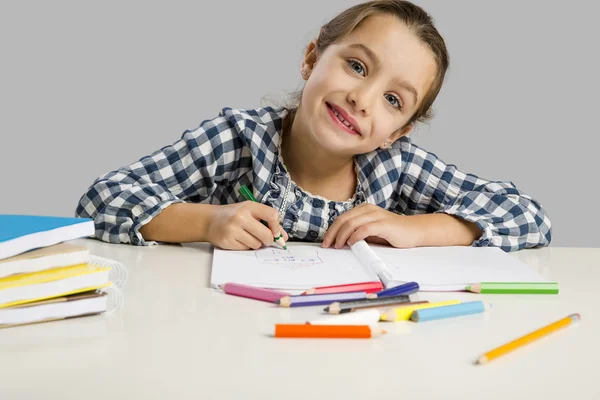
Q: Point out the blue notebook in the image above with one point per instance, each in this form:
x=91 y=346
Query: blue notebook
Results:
x=21 y=233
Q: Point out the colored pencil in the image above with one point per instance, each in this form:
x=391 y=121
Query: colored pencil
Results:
x=454 y=310
x=514 y=288
x=247 y=194
x=398 y=305
x=523 y=340
x=406 y=288
x=327 y=331
x=368 y=287
x=404 y=313
x=364 y=317
x=319 y=299
x=350 y=306
x=252 y=292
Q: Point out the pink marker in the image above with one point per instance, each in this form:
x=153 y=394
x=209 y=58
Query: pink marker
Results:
x=251 y=292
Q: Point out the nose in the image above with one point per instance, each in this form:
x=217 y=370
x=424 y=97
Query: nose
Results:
x=362 y=98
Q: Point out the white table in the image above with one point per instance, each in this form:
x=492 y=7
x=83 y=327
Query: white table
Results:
x=175 y=338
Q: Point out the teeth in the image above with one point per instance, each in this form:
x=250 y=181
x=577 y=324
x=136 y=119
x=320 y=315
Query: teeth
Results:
x=337 y=114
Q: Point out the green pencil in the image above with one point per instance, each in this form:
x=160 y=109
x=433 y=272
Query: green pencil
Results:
x=514 y=287
x=244 y=191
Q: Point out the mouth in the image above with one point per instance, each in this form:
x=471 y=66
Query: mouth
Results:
x=343 y=119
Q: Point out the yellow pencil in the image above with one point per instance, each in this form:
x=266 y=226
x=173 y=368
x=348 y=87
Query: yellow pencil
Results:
x=523 y=340
x=404 y=313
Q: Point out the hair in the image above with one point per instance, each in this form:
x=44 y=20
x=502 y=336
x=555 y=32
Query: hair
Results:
x=419 y=23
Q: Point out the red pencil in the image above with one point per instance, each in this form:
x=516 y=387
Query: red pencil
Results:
x=368 y=287
x=252 y=292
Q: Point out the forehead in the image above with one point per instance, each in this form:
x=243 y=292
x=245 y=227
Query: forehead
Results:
x=401 y=52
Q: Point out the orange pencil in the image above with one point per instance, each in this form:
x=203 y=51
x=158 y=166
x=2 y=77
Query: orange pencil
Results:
x=523 y=340
x=327 y=331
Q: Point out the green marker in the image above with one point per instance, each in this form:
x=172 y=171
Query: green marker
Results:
x=244 y=191
x=514 y=288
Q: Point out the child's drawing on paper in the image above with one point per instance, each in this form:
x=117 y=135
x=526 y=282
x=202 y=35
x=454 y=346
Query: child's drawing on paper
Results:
x=297 y=257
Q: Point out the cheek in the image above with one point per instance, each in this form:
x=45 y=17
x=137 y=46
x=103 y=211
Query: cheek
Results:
x=327 y=78
x=383 y=126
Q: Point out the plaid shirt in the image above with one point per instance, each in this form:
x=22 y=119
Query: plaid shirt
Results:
x=242 y=147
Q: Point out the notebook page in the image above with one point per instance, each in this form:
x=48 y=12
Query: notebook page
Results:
x=301 y=267
x=453 y=268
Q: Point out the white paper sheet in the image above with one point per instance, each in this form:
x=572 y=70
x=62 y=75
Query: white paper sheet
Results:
x=453 y=268
x=302 y=267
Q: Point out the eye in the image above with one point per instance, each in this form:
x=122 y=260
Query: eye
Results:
x=394 y=101
x=357 y=67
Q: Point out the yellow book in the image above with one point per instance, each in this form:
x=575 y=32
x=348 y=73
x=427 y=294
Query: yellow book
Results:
x=56 y=256
x=27 y=288
x=63 y=307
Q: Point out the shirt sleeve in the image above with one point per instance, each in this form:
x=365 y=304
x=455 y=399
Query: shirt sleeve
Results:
x=508 y=218
x=121 y=201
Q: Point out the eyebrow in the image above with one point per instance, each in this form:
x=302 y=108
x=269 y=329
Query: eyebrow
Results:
x=371 y=54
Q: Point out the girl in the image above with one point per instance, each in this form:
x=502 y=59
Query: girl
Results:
x=337 y=167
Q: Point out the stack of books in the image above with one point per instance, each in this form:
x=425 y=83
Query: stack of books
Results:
x=44 y=277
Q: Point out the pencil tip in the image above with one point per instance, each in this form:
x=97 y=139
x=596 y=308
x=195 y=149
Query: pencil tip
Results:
x=285 y=247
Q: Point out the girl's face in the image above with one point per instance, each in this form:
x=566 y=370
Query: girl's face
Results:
x=362 y=90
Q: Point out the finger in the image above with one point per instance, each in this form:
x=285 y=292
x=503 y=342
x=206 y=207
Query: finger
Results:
x=232 y=244
x=332 y=232
x=372 y=229
x=259 y=231
x=249 y=240
x=239 y=246
x=352 y=225
x=269 y=215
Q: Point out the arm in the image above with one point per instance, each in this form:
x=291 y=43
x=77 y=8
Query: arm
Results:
x=123 y=201
x=505 y=216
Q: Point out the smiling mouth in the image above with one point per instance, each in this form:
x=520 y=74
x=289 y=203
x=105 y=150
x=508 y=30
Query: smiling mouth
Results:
x=341 y=121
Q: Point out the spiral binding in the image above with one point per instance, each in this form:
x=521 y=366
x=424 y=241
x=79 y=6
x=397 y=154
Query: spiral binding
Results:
x=115 y=299
x=118 y=272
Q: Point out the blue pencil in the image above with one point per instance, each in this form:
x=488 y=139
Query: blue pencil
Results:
x=455 y=310
x=321 y=299
x=407 y=288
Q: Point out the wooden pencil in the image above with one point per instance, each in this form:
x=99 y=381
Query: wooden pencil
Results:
x=320 y=299
x=523 y=340
x=327 y=331
x=342 y=308
x=251 y=292
x=362 y=317
x=514 y=288
x=405 y=313
x=368 y=287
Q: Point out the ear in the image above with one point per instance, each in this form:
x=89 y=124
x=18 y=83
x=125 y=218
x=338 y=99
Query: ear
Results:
x=397 y=135
x=310 y=59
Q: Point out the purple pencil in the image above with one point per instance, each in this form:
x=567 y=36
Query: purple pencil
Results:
x=321 y=299
x=251 y=292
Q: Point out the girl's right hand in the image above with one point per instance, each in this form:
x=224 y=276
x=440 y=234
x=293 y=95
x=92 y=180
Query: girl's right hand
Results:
x=238 y=227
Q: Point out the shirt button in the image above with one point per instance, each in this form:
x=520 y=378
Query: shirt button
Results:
x=313 y=234
x=317 y=203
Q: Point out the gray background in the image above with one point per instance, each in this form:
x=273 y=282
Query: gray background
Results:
x=86 y=88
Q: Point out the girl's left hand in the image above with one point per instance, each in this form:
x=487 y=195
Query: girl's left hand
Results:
x=375 y=225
